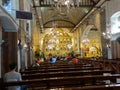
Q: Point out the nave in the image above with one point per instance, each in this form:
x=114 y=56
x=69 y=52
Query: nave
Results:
x=62 y=75
x=35 y=30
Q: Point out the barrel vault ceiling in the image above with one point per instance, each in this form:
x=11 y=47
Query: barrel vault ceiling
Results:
x=48 y=15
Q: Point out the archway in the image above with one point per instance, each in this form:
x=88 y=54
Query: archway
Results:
x=115 y=23
x=86 y=31
x=91 y=42
x=115 y=26
x=115 y=31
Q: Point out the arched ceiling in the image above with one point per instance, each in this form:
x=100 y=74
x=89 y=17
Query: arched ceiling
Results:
x=48 y=14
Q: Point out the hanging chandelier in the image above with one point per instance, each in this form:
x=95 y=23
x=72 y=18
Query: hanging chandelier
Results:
x=107 y=34
x=66 y=3
x=69 y=46
x=85 y=41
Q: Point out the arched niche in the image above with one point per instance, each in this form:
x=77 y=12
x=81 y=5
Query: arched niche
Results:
x=91 y=42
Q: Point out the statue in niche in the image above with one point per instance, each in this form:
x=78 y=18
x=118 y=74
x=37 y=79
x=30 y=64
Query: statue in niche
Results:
x=93 y=50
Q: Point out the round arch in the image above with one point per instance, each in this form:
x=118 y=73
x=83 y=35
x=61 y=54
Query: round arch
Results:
x=8 y=24
x=91 y=42
x=86 y=31
x=115 y=25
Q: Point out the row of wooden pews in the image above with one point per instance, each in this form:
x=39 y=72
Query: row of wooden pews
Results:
x=86 y=87
x=65 y=65
x=59 y=70
x=66 y=76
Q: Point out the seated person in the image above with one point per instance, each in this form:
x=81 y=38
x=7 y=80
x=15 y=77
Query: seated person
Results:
x=11 y=76
x=93 y=58
x=75 y=60
x=53 y=60
x=38 y=61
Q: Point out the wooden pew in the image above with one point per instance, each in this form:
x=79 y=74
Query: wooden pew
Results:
x=65 y=74
x=59 y=70
x=95 y=87
x=60 y=66
x=63 y=81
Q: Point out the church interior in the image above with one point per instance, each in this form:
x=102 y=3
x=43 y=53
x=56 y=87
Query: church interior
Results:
x=63 y=31
x=61 y=44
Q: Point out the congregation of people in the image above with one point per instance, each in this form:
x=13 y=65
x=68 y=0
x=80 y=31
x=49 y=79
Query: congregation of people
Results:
x=52 y=59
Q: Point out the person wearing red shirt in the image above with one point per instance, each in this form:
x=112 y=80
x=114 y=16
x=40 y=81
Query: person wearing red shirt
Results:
x=75 y=60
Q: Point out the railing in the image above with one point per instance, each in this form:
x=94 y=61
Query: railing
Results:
x=105 y=64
